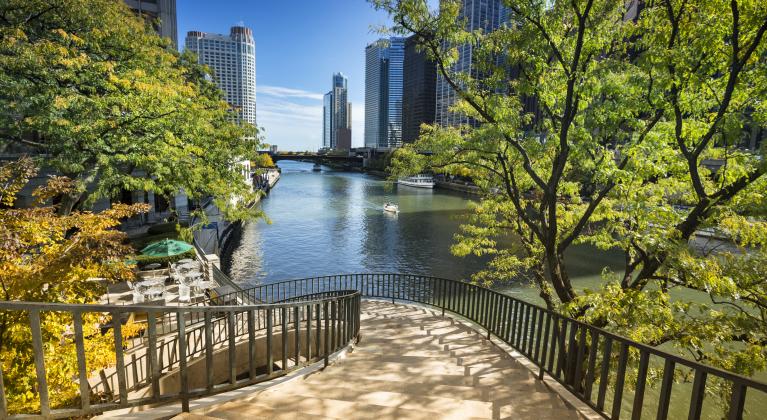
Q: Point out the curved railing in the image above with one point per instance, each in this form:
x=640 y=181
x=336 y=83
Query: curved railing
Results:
x=610 y=373
x=212 y=348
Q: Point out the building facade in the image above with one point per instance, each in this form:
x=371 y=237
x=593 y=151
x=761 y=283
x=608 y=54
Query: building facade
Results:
x=484 y=15
x=162 y=15
x=337 y=115
x=233 y=61
x=384 y=67
x=419 y=91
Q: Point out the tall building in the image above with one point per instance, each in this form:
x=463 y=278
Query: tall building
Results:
x=419 y=89
x=384 y=66
x=233 y=61
x=484 y=15
x=162 y=15
x=337 y=118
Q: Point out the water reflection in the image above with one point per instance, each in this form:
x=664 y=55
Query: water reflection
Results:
x=333 y=222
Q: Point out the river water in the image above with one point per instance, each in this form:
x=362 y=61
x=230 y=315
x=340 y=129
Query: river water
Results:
x=332 y=222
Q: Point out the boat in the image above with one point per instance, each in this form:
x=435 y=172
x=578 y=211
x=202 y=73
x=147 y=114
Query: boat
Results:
x=317 y=167
x=418 y=181
x=391 y=207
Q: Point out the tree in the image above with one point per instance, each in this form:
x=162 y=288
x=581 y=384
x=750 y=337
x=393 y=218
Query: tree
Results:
x=88 y=85
x=627 y=111
x=263 y=161
x=46 y=257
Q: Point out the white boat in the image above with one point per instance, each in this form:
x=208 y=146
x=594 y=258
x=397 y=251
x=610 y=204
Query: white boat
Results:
x=317 y=167
x=418 y=181
x=391 y=207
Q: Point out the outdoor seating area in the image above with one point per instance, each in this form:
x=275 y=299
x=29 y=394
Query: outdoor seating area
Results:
x=182 y=283
x=179 y=282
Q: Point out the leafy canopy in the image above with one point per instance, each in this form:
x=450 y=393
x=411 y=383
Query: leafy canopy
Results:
x=47 y=257
x=592 y=124
x=89 y=86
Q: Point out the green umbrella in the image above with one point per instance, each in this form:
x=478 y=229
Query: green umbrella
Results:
x=166 y=248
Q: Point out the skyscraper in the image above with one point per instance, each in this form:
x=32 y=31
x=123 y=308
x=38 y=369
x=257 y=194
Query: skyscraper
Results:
x=484 y=15
x=420 y=81
x=162 y=14
x=337 y=120
x=384 y=66
x=233 y=60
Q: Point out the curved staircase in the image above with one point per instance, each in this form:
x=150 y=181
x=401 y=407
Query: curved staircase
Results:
x=410 y=363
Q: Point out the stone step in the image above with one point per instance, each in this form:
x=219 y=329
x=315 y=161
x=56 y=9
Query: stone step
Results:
x=478 y=393
x=276 y=402
x=387 y=398
x=428 y=366
x=420 y=351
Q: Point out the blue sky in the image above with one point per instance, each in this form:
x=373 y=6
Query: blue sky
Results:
x=299 y=45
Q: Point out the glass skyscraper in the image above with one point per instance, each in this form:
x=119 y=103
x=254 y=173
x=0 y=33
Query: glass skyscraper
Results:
x=384 y=66
x=337 y=119
x=484 y=15
x=233 y=60
x=419 y=90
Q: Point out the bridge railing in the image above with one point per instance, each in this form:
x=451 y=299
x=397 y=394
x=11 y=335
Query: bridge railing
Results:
x=612 y=374
x=231 y=347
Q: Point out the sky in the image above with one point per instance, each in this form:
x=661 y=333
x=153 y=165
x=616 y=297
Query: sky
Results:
x=299 y=45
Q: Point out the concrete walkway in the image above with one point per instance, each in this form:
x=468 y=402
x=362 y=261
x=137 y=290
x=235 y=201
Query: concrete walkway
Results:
x=409 y=364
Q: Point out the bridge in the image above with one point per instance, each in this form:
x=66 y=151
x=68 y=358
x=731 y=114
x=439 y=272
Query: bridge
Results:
x=317 y=158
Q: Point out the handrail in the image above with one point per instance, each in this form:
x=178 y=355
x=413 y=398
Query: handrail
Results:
x=585 y=359
x=276 y=338
x=578 y=355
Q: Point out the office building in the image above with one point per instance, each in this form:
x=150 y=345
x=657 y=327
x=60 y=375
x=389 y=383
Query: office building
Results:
x=233 y=61
x=161 y=14
x=484 y=15
x=419 y=89
x=384 y=66
x=337 y=115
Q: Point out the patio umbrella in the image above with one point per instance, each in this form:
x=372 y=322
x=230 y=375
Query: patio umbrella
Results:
x=166 y=248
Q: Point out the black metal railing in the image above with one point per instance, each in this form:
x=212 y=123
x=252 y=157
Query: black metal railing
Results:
x=610 y=373
x=229 y=347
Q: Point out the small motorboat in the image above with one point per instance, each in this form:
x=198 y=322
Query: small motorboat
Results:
x=317 y=167
x=391 y=207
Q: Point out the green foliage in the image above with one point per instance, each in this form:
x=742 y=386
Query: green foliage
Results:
x=144 y=260
x=112 y=106
x=631 y=113
x=263 y=161
x=46 y=257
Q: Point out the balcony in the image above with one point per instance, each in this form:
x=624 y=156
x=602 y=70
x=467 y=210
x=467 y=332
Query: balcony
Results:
x=384 y=346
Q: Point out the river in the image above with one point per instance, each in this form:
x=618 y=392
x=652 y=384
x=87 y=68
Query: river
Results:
x=332 y=222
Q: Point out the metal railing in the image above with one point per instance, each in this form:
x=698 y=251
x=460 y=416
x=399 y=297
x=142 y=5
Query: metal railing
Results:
x=608 y=372
x=231 y=347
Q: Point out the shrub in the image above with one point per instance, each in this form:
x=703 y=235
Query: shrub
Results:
x=164 y=228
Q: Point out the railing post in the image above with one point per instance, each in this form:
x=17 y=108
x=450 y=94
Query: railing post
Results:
x=154 y=364
x=3 y=402
x=269 y=337
x=182 y=362
x=230 y=327
x=119 y=356
x=327 y=331
x=85 y=401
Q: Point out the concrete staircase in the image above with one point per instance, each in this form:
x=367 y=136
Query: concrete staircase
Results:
x=409 y=364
